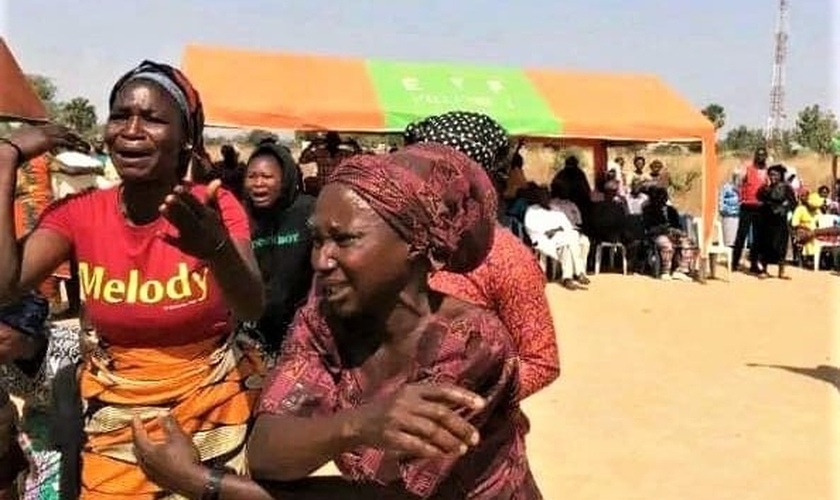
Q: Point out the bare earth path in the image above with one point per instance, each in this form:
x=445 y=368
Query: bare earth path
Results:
x=658 y=400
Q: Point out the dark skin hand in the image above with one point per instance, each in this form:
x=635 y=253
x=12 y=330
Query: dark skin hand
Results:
x=202 y=234
x=35 y=141
x=200 y=228
x=174 y=465
x=418 y=421
x=422 y=421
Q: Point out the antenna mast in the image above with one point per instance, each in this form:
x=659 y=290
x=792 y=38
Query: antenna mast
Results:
x=776 y=118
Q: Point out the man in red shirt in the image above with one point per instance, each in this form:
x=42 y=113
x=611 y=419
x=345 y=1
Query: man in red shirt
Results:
x=754 y=178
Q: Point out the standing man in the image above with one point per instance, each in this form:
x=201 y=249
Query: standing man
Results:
x=755 y=177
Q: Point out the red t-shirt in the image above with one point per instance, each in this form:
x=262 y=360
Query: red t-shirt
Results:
x=754 y=179
x=511 y=283
x=138 y=290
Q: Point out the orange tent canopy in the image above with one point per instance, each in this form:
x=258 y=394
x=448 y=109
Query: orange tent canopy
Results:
x=628 y=107
x=18 y=100
x=242 y=88
x=619 y=106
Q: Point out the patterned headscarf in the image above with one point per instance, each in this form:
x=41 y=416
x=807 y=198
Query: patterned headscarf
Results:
x=437 y=199
x=176 y=84
x=475 y=134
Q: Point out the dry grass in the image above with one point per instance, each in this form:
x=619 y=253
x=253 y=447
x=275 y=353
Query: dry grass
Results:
x=541 y=163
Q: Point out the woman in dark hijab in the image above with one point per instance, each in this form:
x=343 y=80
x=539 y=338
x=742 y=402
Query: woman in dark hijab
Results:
x=773 y=231
x=280 y=237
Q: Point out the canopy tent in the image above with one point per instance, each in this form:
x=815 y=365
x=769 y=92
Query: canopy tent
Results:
x=18 y=100
x=277 y=90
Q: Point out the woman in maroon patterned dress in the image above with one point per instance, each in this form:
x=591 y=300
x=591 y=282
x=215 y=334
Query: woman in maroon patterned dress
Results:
x=410 y=392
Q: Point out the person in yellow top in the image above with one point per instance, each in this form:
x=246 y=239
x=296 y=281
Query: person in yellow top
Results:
x=804 y=222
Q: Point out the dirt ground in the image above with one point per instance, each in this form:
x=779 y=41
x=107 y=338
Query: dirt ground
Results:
x=659 y=397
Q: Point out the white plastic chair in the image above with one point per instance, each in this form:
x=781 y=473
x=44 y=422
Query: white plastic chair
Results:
x=717 y=247
x=612 y=248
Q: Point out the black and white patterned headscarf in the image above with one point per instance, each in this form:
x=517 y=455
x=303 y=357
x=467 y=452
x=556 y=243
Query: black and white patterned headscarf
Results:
x=475 y=134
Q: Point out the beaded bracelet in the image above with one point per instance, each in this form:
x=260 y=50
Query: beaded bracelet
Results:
x=17 y=149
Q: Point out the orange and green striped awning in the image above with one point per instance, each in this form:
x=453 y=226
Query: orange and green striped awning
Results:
x=302 y=92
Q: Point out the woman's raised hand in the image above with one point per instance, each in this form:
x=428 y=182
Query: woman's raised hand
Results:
x=422 y=420
x=32 y=142
x=201 y=232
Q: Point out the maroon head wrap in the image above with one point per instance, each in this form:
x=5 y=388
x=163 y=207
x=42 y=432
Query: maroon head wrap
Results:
x=436 y=198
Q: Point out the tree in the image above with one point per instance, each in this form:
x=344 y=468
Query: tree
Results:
x=815 y=129
x=743 y=139
x=716 y=114
x=44 y=87
x=78 y=114
x=46 y=91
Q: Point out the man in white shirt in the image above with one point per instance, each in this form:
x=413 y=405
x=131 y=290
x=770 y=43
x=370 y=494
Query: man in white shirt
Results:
x=636 y=199
x=555 y=236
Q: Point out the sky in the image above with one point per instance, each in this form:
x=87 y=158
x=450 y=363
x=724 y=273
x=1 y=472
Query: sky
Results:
x=710 y=51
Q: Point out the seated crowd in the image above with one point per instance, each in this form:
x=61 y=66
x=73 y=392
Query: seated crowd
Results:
x=568 y=221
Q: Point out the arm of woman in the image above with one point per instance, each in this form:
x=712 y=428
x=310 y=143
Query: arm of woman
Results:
x=235 y=266
x=26 y=263
x=173 y=464
x=298 y=429
x=523 y=308
x=235 y=269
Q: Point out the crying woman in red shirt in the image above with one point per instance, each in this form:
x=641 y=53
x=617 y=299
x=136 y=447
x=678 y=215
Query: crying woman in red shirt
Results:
x=164 y=268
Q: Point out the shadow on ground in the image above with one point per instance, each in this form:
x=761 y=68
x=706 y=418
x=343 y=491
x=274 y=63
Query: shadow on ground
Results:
x=826 y=373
